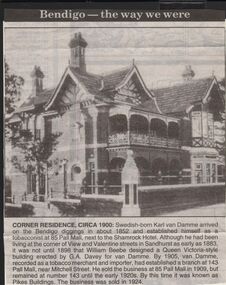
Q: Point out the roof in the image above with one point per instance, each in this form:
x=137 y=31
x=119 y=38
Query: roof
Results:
x=149 y=106
x=96 y=84
x=178 y=98
x=92 y=82
x=101 y=86
x=13 y=118
x=114 y=78
x=34 y=101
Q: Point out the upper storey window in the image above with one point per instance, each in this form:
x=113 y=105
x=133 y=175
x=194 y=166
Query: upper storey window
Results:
x=202 y=124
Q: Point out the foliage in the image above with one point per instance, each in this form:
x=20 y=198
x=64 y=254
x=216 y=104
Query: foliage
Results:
x=35 y=152
x=7 y=187
x=13 y=85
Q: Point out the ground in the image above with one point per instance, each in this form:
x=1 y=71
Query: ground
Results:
x=213 y=211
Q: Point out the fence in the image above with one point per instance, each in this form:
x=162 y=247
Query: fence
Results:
x=102 y=189
x=164 y=180
x=108 y=189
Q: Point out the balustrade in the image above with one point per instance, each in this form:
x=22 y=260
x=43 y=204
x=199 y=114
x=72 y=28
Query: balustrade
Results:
x=139 y=139
x=121 y=138
x=126 y=138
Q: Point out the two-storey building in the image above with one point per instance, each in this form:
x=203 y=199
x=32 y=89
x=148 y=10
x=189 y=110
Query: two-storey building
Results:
x=99 y=117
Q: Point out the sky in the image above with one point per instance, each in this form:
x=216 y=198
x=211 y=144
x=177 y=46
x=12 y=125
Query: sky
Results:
x=159 y=53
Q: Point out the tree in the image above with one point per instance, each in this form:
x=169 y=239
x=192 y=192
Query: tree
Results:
x=13 y=86
x=34 y=154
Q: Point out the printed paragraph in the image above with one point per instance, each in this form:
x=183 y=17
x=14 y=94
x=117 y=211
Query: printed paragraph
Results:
x=113 y=252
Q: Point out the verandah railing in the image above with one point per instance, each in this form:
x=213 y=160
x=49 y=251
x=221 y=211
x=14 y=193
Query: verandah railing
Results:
x=132 y=138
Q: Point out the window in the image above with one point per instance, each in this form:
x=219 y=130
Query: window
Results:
x=198 y=173
x=213 y=173
x=208 y=176
x=196 y=124
x=37 y=134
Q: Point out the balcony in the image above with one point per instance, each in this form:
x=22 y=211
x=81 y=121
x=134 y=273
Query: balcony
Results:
x=131 y=138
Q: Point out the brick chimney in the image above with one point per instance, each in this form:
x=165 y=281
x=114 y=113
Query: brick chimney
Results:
x=77 y=45
x=188 y=73
x=37 y=80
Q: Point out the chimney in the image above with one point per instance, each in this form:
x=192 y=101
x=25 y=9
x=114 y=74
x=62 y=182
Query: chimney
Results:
x=37 y=80
x=188 y=73
x=77 y=45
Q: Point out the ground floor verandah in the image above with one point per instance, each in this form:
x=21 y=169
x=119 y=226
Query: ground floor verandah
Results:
x=156 y=167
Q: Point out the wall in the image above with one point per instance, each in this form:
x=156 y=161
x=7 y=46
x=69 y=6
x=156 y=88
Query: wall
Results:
x=168 y=199
x=186 y=132
x=102 y=207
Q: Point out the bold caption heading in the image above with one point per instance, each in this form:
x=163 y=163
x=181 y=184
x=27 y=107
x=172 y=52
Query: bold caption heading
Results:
x=115 y=15
x=111 y=15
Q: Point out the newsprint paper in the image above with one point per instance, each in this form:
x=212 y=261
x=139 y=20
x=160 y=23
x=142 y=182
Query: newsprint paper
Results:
x=114 y=147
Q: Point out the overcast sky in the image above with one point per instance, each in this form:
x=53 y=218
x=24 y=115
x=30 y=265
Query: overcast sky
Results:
x=160 y=53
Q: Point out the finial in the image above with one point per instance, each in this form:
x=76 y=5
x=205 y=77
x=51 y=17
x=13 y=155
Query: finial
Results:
x=213 y=73
x=133 y=62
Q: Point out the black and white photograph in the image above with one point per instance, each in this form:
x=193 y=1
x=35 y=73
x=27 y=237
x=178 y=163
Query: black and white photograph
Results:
x=114 y=121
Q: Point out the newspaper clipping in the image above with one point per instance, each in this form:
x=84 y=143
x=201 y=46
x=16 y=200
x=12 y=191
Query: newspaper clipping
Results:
x=114 y=147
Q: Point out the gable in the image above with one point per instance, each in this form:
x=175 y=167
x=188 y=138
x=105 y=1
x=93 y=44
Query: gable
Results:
x=68 y=94
x=69 y=90
x=214 y=101
x=215 y=97
x=126 y=86
x=132 y=91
